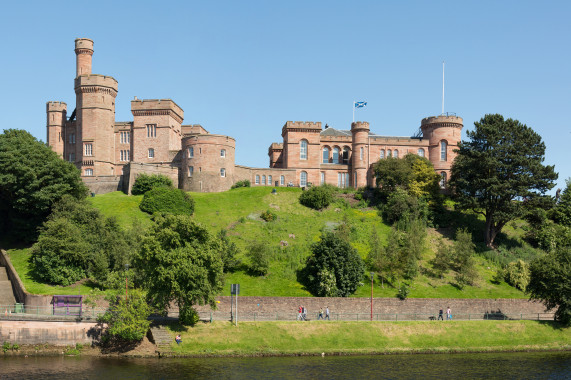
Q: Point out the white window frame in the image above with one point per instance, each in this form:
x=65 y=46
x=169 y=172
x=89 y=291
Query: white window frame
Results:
x=382 y=155
x=362 y=153
x=151 y=130
x=222 y=172
x=396 y=153
x=443 y=150
x=303 y=179
x=151 y=152
x=190 y=151
x=88 y=149
x=89 y=172
x=443 y=180
x=223 y=153
x=420 y=152
x=125 y=137
x=190 y=171
x=322 y=178
x=282 y=180
x=270 y=180
x=325 y=159
x=339 y=157
x=303 y=149
x=257 y=179
x=389 y=153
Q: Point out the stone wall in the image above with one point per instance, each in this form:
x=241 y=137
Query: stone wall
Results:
x=55 y=333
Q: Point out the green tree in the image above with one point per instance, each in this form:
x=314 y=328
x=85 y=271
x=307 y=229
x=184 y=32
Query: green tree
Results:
x=228 y=252
x=562 y=211
x=550 y=282
x=517 y=274
x=32 y=179
x=441 y=262
x=258 y=253
x=146 y=182
x=462 y=259
x=501 y=164
x=318 y=197
x=179 y=262
x=126 y=318
x=334 y=267
x=167 y=200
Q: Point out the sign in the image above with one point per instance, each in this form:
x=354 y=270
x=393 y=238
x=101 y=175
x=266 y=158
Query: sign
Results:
x=235 y=289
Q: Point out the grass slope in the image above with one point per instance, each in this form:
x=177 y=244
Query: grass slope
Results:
x=287 y=338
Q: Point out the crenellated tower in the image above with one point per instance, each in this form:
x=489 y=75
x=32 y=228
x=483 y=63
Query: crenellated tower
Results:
x=56 y=113
x=360 y=158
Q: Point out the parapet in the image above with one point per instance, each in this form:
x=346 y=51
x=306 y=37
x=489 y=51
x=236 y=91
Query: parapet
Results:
x=194 y=129
x=277 y=146
x=442 y=121
x=83 y=45
x=56 y=106
x=303 y=124
x=359 y=125
x=91 y=80
x=146 y=107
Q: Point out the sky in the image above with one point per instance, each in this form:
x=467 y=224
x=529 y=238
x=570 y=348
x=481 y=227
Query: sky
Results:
x=244 y=68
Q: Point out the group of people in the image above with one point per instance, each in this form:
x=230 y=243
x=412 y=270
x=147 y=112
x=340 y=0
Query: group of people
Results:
x=448 y=314
x=302 y=313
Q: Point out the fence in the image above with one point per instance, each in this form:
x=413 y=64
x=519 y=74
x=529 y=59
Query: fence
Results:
x=22 y=312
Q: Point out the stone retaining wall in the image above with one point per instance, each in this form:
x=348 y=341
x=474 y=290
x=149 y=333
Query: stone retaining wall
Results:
x=54 y=333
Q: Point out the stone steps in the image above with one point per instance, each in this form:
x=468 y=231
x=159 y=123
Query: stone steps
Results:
x=162 y=338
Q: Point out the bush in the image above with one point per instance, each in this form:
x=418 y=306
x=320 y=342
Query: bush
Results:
x=317 y=198
x=402 y=208
x=268 y=216
x=126 y=319
x=243 y=183
x=146 y=182
x=403 y=292
x=167 y=200
x=517 y=274
x=259 y=255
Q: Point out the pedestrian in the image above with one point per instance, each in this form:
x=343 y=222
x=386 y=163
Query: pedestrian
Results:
x=178 y=339
x=448 y=313
x=299 y=310
x=304 y=313
x=320 y=314
x=327 y=313
x=440 y=315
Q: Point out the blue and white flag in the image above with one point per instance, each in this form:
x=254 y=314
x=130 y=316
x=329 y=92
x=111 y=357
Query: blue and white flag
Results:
x=360 y=104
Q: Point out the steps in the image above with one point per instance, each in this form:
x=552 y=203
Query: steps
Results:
x=162 y=338
x=6 y=292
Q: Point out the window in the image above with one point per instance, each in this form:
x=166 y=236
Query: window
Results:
x=346 y=155
x=88 y=149
x=303 y=150
x=263 y=180
x=89 y=172
x=190 y=171
x=355 y=179
x=222 y=172
x=303 y=179
x=322 y=178
x=190 y=152
x=335 y=155
x=257 y=179
x=71 y=157
x=420 y=152
x=382 y=153
x=151 y=153
x=151 y=130
x=125 y=155
x=342 y=180
x=223 y=153
x=282 y=180
x=389 y=153
x=270 y=180
x=326 y=155
x=361 y=153
x=72 y=138
x=443 y=146
x=442 y=180
x=396 y=154
x=125 y=137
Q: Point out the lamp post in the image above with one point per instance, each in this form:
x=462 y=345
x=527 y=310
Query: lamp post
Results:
x=126 y=283
x=372 y=277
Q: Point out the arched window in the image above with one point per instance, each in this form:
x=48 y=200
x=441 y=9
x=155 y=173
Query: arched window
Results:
x=382 y=153
x=303 y=150
x=263 y=180
x=442 y=180
x=303 y=179
x=443 y=149
x=420 y=152
x=325 y=155
x=389 y=153
x=257 y=179
x=270 y=180
x=282 y=180
x=396 y=154
x=336 y=155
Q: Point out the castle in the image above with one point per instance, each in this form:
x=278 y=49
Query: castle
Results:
x=110 y=154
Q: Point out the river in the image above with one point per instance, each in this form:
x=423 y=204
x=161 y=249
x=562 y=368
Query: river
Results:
x=550 y=365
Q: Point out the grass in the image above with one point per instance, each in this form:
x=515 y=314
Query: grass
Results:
x=292 y=338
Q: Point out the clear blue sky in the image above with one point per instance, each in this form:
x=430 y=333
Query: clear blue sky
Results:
x=243 y=68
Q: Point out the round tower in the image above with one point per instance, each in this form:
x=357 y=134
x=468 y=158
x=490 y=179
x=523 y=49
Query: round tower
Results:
x=83 y=54
x=56 y=117
x=443 y=133
x=359 y=157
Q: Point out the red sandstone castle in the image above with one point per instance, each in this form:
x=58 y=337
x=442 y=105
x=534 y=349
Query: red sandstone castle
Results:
x=110 y=154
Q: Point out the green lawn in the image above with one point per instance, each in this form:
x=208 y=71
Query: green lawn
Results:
x=255 y=338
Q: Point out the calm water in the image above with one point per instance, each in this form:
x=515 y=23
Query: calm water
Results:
x=442 y=366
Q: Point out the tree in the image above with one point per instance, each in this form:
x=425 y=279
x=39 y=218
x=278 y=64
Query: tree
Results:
x=550 y=282
x=145 y=182
x=126 y=318
x=334 y=267
x=318 y=197
x=167 y=200
x=228 y=252
x=259 y=254
x=179 y=262
x=561 y=213
x=499 y=166
x=32 y=179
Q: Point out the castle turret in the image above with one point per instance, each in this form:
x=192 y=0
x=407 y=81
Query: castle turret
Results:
x=359 y=158
x=83 y=53
x=443 y=133
x=56 y=118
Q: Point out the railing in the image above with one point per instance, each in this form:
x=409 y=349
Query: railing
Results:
x=22 y=312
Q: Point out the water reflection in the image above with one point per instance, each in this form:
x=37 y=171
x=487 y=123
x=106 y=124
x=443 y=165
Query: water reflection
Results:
x=477 y=366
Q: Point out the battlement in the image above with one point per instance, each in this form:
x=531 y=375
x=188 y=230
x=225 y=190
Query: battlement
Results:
x=193 y=129
x=359 y=125
x=277 y=146
x=145 y=107
x=56 y=106
x=83 y=44
x=96 y=80
x=442 y=121
x=303 y=124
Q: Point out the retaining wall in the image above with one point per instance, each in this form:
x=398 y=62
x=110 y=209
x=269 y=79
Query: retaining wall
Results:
x=55 y=333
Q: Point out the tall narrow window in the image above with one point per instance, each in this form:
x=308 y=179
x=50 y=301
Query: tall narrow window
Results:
x=442 y=180
x=382 y=153
x=282 y=180
x=420 y=152
x=88 y=149
x=223 y=153
x=190 y=171
x=151 y=153
x=222 y=172
x=362 y=153
x=443 y=147
x=125 y=137
x=190 y=152
x=303 y=179
x=389 y=153
x=270 y=180
x=355 y=179
x=396 y=154
x=151 y=130
x=72 y=138
x=322 y=178
x=257 y=179
x=89 y=172
x=346 y=155
x=326 y=155
x=303 y=150
x=335 y=155
x=71 y=157
x=263 y=180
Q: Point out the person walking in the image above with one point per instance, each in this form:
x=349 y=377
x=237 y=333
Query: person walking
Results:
x=299 y=310
x=327 y=313
x=448 y=314
x=440 y=315
x=320 y=314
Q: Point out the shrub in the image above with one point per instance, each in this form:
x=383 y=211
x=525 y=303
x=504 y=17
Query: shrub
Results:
x=146 y=182
x=402 y=208
x=243 y=183
x=259 y=255
x=403 y=292
x=126 y=319
x=317 y=198
x=517 y=274
x=268 y=216
x=167 y=200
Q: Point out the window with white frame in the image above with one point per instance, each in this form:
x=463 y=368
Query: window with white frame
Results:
x=151 y=130
x=322 y=178
x=303 y=179
x=325 y=155
x=389 y=153
x=443 y=148
x=263 y=179
x=223 y=153
x=443 y=180
x=382 y=153
x=88 y=172
x=342 y=180
x=222 y=172
x=151 y=153
x=125 y=137
x=190 y=171
x=88 y=150
x=336 y=158
x=282 y=180
x=396 y=154
x=190 y=152
x=72 y=138
x=270 y=180
x=303 y=150
x=124 y=155
x=362 y=153
x=420 y=152
x=257 y=179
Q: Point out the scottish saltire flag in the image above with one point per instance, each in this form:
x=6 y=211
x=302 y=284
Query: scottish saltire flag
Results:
x=360 y=104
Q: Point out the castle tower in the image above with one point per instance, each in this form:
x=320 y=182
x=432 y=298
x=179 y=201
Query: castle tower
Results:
x=443 y=133
x=95 y=110
x=56 y=118
x=360 y=158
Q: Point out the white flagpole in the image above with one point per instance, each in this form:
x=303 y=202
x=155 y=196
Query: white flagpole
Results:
x=442 y=87
x=353 y=111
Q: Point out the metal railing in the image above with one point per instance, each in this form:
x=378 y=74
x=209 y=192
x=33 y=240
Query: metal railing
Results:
x=23 y=312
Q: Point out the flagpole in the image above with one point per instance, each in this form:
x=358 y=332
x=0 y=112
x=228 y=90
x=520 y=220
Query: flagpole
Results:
x=353 y=111
x=442 y=87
